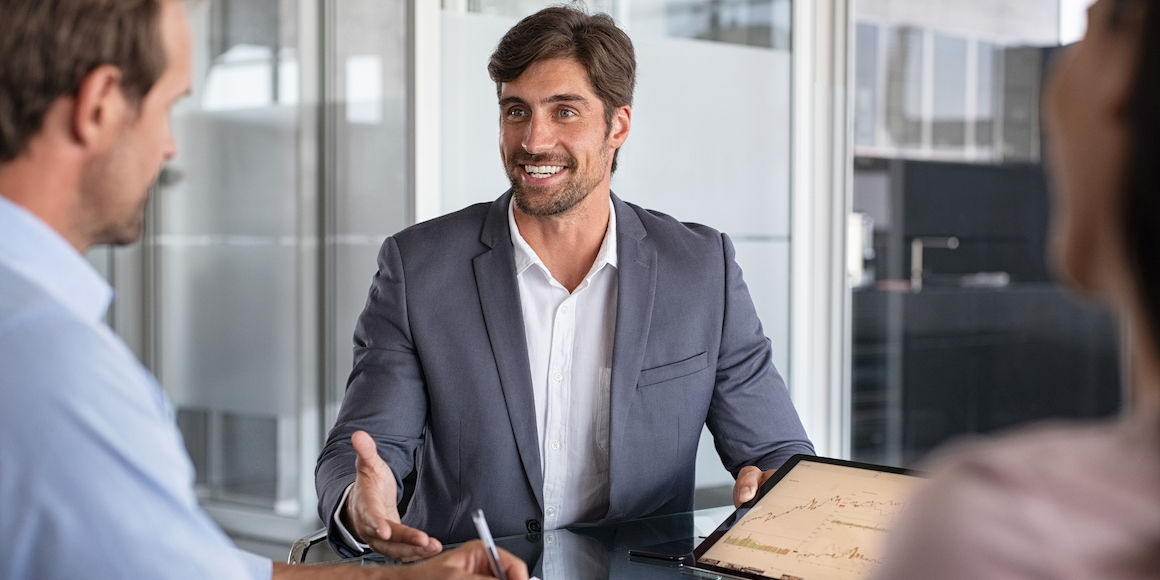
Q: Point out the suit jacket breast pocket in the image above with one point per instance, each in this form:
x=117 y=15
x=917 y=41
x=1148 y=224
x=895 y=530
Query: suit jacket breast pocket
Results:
x=676 y=370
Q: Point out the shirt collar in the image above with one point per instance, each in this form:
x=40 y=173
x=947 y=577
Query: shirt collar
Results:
x=36 y=251
x=526 y=257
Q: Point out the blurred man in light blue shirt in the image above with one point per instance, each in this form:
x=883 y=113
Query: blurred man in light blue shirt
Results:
x=94 y=480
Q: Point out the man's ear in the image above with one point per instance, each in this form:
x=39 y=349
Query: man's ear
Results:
x=99 y=109
x=621 y=123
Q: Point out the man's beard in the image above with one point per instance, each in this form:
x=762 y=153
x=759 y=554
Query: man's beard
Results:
x=541 y=201
x=126 y=231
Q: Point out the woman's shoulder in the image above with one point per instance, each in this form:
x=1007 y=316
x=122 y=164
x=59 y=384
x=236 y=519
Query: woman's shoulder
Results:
x=1059 y=500
x=1056 y=457
x=1032 y=452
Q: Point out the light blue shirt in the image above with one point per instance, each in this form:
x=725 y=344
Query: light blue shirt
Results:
x=94 y=479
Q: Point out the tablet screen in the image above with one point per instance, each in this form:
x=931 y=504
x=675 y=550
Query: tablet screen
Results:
x=821 y=519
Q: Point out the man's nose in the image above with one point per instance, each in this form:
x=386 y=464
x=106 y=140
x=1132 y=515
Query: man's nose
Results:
x=540 y=137
x=169 y=147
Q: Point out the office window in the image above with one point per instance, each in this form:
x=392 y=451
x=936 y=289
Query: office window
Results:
x=987 y=60
x=762 y=23
x=904 y=90
x=949 y=99
x=866 y=84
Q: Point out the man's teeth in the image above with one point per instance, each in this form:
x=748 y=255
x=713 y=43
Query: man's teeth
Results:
x=542 y=171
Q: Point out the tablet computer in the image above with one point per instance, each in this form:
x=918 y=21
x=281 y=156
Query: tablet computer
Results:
x=814 y=519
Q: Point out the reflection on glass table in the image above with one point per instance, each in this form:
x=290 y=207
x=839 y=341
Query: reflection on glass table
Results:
x=598 y=552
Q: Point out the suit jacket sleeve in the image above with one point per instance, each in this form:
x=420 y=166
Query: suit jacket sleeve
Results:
x=386 y=395
x=751 y=415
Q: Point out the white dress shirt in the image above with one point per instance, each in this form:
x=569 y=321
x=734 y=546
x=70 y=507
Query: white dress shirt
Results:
x=94 y=479
x=569 y=339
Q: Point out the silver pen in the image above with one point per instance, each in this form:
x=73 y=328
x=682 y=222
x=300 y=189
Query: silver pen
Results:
x=488 y=542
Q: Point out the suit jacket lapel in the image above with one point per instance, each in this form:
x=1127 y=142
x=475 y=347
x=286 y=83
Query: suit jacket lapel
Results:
x=636 y=275
x=499 y=298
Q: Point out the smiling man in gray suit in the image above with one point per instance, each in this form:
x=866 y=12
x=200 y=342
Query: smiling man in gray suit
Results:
x=550 y=357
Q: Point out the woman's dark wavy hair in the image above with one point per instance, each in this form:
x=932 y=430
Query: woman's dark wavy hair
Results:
x=1141 y=184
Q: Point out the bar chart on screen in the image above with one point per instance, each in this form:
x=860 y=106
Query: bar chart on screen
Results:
x=821 y=521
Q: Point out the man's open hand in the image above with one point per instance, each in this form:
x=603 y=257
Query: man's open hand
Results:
x=371 y=514
x=749 y=480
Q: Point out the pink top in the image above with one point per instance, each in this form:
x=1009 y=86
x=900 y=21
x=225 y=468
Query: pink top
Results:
x=1059 y=501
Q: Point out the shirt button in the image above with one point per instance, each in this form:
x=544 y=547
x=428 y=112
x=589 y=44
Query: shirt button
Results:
x=551 y=511
x=564 y=309
x=555 y=446
x=550 y=538
x=558 y=376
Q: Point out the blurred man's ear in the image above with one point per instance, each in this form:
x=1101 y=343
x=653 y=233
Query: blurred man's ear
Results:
x=99 y=110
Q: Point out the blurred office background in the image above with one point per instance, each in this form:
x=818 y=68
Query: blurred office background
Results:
x=878 y=163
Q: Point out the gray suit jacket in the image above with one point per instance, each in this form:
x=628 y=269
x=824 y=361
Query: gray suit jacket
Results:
x=441 y=377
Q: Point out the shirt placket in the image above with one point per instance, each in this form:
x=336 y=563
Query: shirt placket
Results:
x=559 y=397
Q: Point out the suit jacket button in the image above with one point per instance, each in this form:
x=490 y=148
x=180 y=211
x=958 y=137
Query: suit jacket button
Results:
x=533 y=526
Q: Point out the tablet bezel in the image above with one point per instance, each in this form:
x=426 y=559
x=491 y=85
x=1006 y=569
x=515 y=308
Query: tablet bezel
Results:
x=740 y=512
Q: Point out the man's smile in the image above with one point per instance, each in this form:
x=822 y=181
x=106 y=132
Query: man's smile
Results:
x=542 y=171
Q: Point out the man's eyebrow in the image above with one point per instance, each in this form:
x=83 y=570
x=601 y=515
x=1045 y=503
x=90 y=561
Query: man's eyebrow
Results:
x=560 y=98
x=511 y=101
x=566 y=98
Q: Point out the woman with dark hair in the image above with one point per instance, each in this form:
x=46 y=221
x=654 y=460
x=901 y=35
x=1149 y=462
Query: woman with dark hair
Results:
x=1075 y=501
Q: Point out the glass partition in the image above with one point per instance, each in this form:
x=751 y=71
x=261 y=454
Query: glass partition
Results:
x=958 y=326
x=261 y=240
x=227 y=240
x=368 y=155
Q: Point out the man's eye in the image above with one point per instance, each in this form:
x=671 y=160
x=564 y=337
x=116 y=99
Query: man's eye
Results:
x=566 y=113
x=516 y=113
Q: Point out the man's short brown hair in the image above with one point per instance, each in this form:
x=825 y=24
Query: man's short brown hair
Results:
x=593 y=40
x=48 y=47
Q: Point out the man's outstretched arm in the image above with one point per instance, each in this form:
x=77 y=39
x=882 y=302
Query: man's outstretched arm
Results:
x=386 y=398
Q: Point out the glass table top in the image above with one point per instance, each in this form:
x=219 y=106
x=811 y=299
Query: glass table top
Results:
x=601 y=552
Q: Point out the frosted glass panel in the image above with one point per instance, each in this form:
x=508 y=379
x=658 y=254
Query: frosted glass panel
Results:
x=227 y=245
x=715 y=150
x=370 y=180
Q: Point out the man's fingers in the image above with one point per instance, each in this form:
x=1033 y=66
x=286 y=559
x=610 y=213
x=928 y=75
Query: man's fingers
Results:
x=409 y=535
x=366 y=454
x=748 y=480
x=375 y=528
x=513 y=567
x=765 y=475
x=472 y=561
x=402 y=542
x=405 y=552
